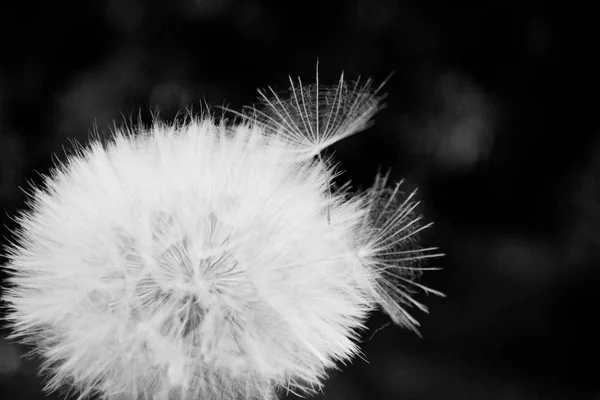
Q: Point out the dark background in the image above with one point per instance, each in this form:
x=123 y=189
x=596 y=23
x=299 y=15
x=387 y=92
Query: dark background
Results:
x=491 y=112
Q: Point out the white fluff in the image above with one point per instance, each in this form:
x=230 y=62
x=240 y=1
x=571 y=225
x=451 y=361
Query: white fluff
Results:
x=211 y=261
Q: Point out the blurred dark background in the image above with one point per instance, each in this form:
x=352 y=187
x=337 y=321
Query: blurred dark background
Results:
x=491 y=112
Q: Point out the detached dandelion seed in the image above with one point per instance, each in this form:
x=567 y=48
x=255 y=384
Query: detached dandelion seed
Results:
x=208 y=260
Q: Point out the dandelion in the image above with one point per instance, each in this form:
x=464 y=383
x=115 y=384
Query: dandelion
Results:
x=212 y=260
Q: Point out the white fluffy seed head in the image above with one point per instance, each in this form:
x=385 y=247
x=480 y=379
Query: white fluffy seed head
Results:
x=211 y=261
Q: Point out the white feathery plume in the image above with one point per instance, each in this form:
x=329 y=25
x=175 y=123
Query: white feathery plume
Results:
x=209 y=260
x=313 y=117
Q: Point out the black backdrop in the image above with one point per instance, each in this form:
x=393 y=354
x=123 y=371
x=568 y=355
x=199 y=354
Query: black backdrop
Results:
x=491 y=112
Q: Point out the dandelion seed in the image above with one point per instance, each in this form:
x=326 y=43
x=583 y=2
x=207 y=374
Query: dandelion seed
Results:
x=212 y=261
x=313 y=117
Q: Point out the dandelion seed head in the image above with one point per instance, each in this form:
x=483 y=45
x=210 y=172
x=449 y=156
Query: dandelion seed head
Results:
x=209 y=260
